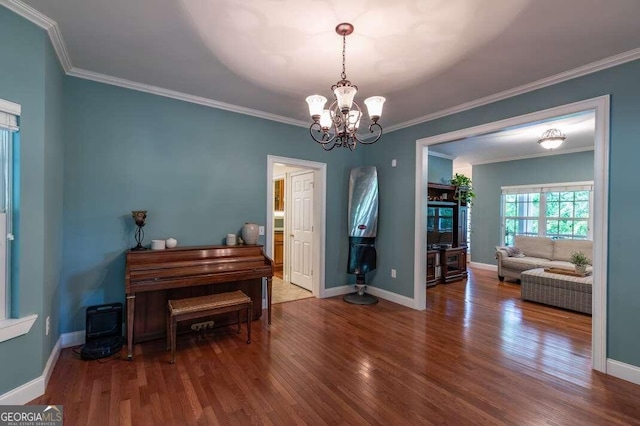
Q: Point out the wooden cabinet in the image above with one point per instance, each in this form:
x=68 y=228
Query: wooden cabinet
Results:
x=433 y=273
x=278 y=195
x=278 y=250
x=453 y=263
x=447 y=219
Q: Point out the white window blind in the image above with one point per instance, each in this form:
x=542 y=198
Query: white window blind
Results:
x=8 y=124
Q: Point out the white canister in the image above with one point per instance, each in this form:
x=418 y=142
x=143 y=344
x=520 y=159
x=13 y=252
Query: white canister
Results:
x=231 y=239
x=157 y=244
x=170 y=242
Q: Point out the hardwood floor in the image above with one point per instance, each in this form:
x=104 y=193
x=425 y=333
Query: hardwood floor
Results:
x=477 y=355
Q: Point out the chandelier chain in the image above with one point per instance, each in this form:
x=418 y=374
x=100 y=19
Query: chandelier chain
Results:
x=344 y=56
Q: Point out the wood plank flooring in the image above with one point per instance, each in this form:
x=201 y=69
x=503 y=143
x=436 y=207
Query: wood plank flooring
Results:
x=477 y=355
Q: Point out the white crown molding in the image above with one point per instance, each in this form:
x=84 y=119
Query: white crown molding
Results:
x=155 y=90
x=600 y=65
x=438 y=154
x=45 y=22
x=525 y=157
x=57 y=40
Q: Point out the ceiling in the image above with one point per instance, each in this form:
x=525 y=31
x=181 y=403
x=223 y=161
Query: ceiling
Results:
x=521 y=141
x=424 y=56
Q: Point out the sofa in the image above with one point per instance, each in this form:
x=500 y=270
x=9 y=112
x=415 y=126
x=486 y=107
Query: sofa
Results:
x=538 y=252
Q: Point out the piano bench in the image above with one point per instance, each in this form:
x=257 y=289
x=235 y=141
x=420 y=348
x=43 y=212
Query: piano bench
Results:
x=204 y=306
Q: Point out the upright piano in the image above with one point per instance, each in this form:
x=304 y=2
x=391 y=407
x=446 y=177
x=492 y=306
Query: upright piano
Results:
x=154 y=277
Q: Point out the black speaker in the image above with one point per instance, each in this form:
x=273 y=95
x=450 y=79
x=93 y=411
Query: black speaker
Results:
x=103 y=332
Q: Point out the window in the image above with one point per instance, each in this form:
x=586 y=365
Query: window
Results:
x=554 y=210
x=8 y=125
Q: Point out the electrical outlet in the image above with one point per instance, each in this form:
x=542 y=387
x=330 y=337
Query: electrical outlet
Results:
x=394 y=163
x=47 y=327
x=260 y=230
x=393 y=273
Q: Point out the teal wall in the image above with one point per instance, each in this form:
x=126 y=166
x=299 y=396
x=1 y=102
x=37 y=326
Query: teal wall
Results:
x=397 y=188
x=200 y=172
x=440 y=169
x=53 y=195
x=489 y=178
x=24 y=80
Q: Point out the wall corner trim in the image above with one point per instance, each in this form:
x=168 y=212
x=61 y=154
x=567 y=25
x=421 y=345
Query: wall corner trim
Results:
x=623 y=371
x=14 y=327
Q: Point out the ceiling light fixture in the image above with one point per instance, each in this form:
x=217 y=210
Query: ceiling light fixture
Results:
x=344 y=114
x=551 y=139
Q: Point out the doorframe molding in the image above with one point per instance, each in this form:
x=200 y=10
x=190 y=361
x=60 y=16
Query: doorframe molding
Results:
x=319 y=215
x=601 y=106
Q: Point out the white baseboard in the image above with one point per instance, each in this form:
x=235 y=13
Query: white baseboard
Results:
x=375 y=291
x=36 y=387
x=25 y=393
x=485 y=266
x=74 y=338
x=338 y=291
x=392 y=297
x=623 y=371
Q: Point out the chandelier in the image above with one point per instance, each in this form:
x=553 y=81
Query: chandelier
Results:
x=551 y=139
x=338 y=125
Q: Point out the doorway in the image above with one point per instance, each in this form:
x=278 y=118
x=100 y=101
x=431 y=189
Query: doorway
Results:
x=295 y=227
x=600 y=106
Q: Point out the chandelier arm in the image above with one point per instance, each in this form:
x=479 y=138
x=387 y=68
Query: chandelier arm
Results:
x=379 y=131
x=325 y=135
x=333 y=145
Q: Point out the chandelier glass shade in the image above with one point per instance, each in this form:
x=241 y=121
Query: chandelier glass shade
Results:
x=337 y=126
x=551 y=139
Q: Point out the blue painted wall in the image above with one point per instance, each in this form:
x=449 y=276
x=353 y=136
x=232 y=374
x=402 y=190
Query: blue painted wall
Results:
x=200 y=172
x=53 y=196
x=440 y=169
x=23 y=73
x=397 y=188
x=489 y=178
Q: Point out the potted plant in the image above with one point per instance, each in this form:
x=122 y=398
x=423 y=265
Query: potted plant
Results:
x=464 y=191
x=580 y=261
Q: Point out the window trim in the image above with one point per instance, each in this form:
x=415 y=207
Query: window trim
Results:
x=542 y=217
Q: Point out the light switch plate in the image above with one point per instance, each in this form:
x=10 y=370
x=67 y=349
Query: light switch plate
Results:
x=261 y=230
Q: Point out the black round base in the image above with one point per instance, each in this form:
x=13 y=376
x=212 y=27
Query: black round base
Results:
x=365 y=299
x=139 y=248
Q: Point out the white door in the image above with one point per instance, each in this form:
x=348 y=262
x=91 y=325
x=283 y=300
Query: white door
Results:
x=302 y=230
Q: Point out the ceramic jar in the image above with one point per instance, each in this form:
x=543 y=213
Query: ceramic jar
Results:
x=171 y=242
x=250 y=233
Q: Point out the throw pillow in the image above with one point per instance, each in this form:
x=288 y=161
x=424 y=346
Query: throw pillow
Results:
x=514 y=252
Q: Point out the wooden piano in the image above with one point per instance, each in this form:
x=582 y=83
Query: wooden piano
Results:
x=154 y=277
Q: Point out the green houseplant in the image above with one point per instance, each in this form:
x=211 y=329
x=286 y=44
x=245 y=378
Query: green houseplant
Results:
x=580 y=261
x=464 y=190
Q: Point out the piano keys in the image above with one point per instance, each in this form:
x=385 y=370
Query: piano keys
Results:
x=154 y=277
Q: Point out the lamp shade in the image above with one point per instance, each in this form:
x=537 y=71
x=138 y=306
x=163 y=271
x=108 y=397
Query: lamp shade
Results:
x=325 y=119
x=345 y=95
x=374 y=106
x=316 y=104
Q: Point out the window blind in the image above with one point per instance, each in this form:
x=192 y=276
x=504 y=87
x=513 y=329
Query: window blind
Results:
x=560 y=187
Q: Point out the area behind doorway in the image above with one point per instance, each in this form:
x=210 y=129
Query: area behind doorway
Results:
x=293 y=232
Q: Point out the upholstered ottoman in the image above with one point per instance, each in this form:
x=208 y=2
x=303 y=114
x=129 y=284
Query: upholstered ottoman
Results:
x=563 y=291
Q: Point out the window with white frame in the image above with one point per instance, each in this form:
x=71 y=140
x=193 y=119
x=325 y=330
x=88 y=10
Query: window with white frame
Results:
x=555 y=210
x=8 y=126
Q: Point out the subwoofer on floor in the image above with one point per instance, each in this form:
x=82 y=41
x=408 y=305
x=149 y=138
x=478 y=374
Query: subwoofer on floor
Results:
x=103 y=336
